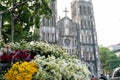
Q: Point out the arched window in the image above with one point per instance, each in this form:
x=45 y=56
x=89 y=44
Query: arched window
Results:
x=66 y=30
x=43 y=35
x=91 y=24
x=88 y=10
x=53 y=38
x=81 y=23
x=81 y=10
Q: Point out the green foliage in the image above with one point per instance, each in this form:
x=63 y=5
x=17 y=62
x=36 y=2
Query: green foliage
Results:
x=109 y=60
x=27 y=13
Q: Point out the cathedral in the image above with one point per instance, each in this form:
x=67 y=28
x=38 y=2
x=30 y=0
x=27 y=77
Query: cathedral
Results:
x=77 y=35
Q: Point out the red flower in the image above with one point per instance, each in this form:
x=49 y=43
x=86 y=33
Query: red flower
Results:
x=32 y=56
x=12 y=54
x=8 y=57
x=5 y=58
x=16 y=56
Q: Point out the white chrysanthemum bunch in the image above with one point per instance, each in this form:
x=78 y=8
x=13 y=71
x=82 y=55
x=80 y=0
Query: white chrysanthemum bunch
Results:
x=52 y=68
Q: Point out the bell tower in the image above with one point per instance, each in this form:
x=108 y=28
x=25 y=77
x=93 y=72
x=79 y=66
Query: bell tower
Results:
x=83 y=15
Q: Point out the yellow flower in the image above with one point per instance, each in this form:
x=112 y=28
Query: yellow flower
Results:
x=23 y=71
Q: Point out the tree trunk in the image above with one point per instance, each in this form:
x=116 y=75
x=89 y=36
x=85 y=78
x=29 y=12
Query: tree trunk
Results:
x=12 y=28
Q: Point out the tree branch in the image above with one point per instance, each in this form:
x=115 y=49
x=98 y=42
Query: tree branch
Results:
x=13 y=8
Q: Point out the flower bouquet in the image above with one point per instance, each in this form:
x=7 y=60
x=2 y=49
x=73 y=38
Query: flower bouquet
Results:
x=21 y=71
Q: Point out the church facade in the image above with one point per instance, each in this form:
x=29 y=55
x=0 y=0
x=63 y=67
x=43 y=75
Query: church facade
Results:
x=77 y=35
x=67 y=35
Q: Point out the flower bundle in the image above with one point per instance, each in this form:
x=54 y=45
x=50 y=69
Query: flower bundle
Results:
x=23 y=71
x=40 y=48
x=53 y=62
x=52 y=68
x=18 y=55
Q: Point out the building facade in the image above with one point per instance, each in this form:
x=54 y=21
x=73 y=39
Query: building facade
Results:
x=78 y=36
x=47 y=26
x=115 y=49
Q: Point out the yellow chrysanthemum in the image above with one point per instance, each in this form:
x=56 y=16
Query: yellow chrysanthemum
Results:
x=23 y=71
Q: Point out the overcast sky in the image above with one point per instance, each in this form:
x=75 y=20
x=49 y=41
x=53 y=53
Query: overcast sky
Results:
x=107 y=19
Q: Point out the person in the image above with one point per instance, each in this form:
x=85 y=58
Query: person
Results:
x=102 y=77
x=108 y=77
x=93 y=78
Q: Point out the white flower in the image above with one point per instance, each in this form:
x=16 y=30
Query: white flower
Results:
x=56 y=68
x=1 y=53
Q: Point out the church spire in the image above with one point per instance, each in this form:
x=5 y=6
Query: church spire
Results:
x=66 y=11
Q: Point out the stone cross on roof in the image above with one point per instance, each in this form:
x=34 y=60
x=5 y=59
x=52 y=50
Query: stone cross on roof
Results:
x=65 y=11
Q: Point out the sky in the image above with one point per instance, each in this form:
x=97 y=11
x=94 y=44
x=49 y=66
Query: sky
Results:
x=107 y=19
